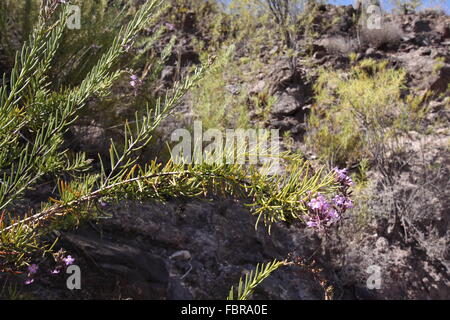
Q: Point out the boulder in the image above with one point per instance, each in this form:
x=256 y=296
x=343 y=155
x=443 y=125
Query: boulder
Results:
x=441 y=80
x=287 y=103
x=422 y=26
x=91 y=138
x=137 y=273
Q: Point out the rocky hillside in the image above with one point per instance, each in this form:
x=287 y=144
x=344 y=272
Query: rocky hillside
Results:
x=198 y=249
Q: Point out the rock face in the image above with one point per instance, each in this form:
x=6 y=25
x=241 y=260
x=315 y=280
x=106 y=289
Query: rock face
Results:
x=91 y=138
x=421 y=26
x=410 y=245
x=292 y=92
x=288 y=102
x=196 y=250
x=136 y=272
x=425 y=69
x=441 y=80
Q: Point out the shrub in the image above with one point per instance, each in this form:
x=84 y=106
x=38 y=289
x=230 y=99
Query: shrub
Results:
x=213 y=103
x=339 y=45
x=79 y=51
x=359 y=111
x=35 y=115
x=389 y=35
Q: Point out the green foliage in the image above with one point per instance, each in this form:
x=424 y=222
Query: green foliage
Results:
x=27 y=84
x=439 y=64
x=358 y=111
x=262 y=104
x=82 y=48
x=254 y=26
x=255 y=29
x=79 y=51
x=11 y=291
x=306 y=24
x=252 y=280
x=17 y=245
x=216 y=106
x=404 y=5
x=30 y=149
x=60 y=76
x=211 y=23
x=16 y=20
x=35 y=115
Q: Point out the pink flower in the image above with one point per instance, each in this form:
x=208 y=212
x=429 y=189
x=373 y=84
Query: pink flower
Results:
x=169 y=26
x=312 y=223
x=319 y=203
x=343 y=178
x=348 y=204
x=343 y=202
x=68 y=260
x=333 y=215
x=135 y=81
x=33 y=268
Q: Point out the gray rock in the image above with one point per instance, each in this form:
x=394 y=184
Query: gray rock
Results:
x=90 y=138
x=422 y=26
x=286 y=104
x=441 y=80
x=370 y=51
x=138 y=273
x=258 y=87
x=130 y=257
x=319 y=54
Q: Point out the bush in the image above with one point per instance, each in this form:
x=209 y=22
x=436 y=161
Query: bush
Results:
x=359 y=111
x=390 y=35
x=214 y=104
x=339 y=45
x=36 y=114
x=80 y=49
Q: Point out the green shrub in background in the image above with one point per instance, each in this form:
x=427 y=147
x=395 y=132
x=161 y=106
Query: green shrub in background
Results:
x=35 y=115
x=357 y=112
x=219 y=101
x=100 y=21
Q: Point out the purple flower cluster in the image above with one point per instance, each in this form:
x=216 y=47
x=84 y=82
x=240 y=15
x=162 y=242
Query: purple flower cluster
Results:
x=135 y=83
x=323 y=212
x=32 y=270
x=342 y=202
x=169 y=26
x=343 y=178
x=61 y=261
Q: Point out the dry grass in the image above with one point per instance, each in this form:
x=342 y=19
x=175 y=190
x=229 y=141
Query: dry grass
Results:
x=339 y=45
x=389 y=35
